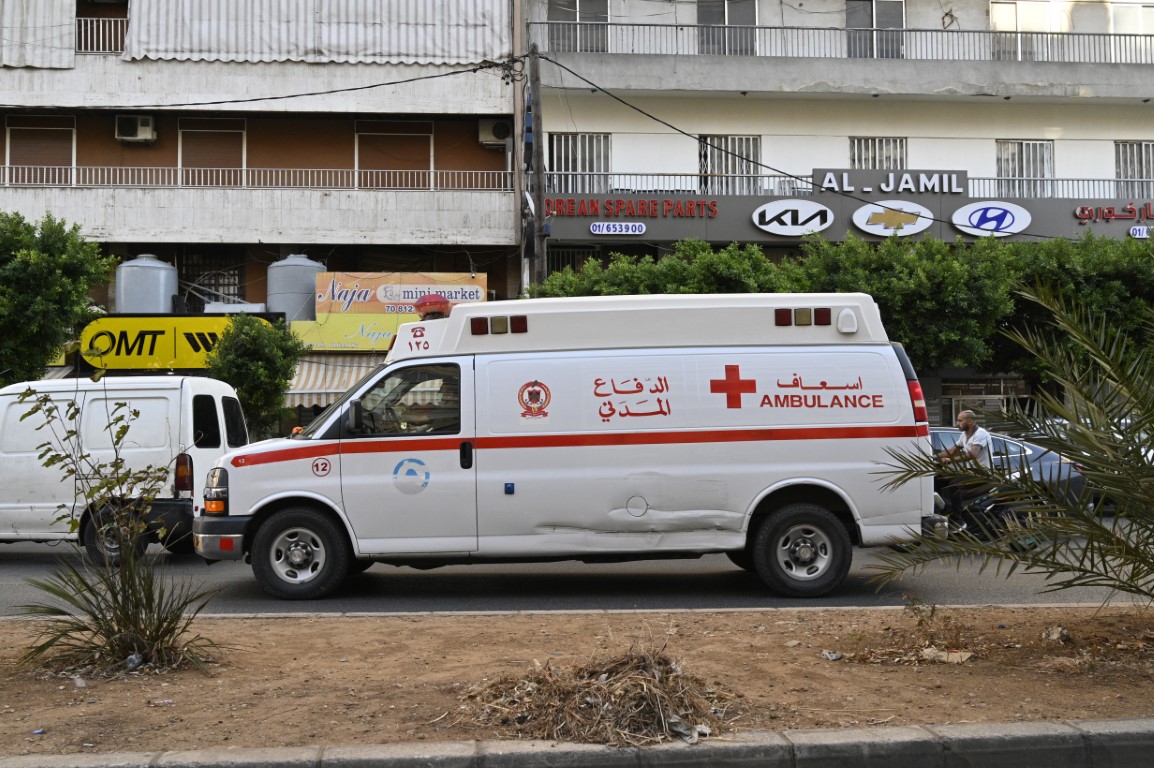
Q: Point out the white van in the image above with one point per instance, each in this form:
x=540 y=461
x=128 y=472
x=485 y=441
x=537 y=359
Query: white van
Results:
x=185 y=424
x=607 y=428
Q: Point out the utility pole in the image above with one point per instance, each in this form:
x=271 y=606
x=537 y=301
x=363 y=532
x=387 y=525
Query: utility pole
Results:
x=537 y=155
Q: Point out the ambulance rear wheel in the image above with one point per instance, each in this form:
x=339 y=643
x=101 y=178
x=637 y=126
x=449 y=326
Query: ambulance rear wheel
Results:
x=300 y=554
x=802 y=550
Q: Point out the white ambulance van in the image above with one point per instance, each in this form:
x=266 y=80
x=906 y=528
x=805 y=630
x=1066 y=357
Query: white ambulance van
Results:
x=606 y=428
x=185 y=423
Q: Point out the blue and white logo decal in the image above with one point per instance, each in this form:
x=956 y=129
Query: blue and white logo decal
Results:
x=991 y=218
x=893 y=217
x=792 y=218
x=411 y=476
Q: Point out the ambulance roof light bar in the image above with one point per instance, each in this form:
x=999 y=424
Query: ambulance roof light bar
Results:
x=806 y=316
x=483 y=326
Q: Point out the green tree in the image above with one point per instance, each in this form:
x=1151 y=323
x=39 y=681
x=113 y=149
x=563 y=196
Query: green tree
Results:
x=944 y=303
x=1112 y=279
x=692 y=267
x=47 y=272
x=1102 y=420
x=258 y=359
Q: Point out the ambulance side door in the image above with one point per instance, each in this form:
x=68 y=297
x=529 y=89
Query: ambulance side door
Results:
x=408 y=476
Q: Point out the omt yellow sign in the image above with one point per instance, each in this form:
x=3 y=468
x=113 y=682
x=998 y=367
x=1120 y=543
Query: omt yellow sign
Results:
x=153 y=341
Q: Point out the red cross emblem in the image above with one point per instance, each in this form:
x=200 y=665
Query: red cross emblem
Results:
x=733 y=386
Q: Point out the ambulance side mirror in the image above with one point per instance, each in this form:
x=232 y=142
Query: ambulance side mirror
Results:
x=355 y=421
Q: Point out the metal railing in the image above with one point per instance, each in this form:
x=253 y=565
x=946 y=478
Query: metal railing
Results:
x=95 y=35
x=770 y=185
x=253 y=178
x=835 y=43
x=620 y=184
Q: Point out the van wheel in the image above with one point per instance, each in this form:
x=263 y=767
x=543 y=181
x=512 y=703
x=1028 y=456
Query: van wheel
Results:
x=802 y=550
x=300 y=554
x=103 y=543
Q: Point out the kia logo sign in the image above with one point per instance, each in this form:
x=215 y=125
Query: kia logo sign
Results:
x=991 y=217
x=792 y=218
x=893 y=217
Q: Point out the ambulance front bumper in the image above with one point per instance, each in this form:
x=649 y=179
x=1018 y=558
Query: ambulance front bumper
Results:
x=219 y=538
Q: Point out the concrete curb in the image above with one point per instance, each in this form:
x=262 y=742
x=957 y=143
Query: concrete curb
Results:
x=1072 y=744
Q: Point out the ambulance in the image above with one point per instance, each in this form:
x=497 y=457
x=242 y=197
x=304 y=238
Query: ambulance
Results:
x=593 y=429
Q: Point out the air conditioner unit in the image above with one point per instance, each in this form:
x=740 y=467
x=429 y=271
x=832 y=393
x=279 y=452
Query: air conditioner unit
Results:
x=494 y=133
x=135 y=128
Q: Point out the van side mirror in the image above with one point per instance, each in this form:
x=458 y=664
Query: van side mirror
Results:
x=355 y=422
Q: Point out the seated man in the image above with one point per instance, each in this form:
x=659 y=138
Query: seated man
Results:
x=443 y=414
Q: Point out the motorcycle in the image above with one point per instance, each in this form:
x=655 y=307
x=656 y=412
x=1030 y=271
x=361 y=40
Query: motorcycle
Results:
x=977 y=514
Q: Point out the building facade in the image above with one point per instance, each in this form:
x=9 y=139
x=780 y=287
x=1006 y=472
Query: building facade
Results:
x=220 y=135
x=759 y=121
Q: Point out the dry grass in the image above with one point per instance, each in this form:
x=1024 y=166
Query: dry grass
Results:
x=637 y=698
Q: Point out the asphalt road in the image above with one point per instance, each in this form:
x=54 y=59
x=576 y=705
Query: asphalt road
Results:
x=708 y=583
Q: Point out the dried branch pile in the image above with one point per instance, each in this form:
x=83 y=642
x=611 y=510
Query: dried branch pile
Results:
x=635 y=699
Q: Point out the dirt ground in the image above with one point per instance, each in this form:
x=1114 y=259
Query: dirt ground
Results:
x=370 y=680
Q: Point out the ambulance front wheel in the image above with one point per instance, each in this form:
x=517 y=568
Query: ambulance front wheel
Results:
x=802 y=550
x=300 y=554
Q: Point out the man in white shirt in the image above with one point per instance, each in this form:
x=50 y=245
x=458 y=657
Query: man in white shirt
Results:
x=972 y=445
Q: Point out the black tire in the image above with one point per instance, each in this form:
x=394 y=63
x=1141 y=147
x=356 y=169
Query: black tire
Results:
x=103 y=544
x=300 y=554
x=802 y=550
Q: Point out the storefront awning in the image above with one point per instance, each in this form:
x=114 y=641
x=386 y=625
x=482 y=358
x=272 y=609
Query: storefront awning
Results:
x=322 y=377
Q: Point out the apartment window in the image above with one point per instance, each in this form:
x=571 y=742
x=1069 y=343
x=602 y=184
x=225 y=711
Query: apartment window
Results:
x=212 y=153
x=562 y=257
x=1133 y=26
x=727 y=27
x=40 y=150
x=583 y=25
x=394 y=154
x=1025 y=29
x=579 y=163
x=730 y=165
x=1025 y=168
x=211 y=275
x=877 y=153
x=874 y=28
x=1134 y=168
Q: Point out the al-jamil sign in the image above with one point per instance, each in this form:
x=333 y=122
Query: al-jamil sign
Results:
x=127 y=342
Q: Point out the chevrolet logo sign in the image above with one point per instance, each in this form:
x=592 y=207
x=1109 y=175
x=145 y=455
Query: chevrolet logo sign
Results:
x=891 y=219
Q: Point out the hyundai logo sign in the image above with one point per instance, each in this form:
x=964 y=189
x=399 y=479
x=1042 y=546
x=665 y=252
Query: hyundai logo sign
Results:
x=991 y=217
x=792 y=218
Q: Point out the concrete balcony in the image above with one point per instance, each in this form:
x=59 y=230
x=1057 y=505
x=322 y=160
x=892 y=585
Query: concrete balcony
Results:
x=270 y=205
x=652 y=58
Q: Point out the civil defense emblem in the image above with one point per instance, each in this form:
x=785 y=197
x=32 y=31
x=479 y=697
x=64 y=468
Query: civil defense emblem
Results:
x=534 y=398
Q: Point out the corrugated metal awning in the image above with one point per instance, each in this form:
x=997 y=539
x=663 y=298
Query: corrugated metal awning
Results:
x=320 y=31
x=323 y=377
x=58 y=372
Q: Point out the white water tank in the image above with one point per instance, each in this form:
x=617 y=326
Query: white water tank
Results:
x=292 y=285
x=145 y=285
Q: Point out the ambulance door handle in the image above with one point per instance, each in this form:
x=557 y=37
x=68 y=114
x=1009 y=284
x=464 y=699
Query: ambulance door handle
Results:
x=466 y=455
